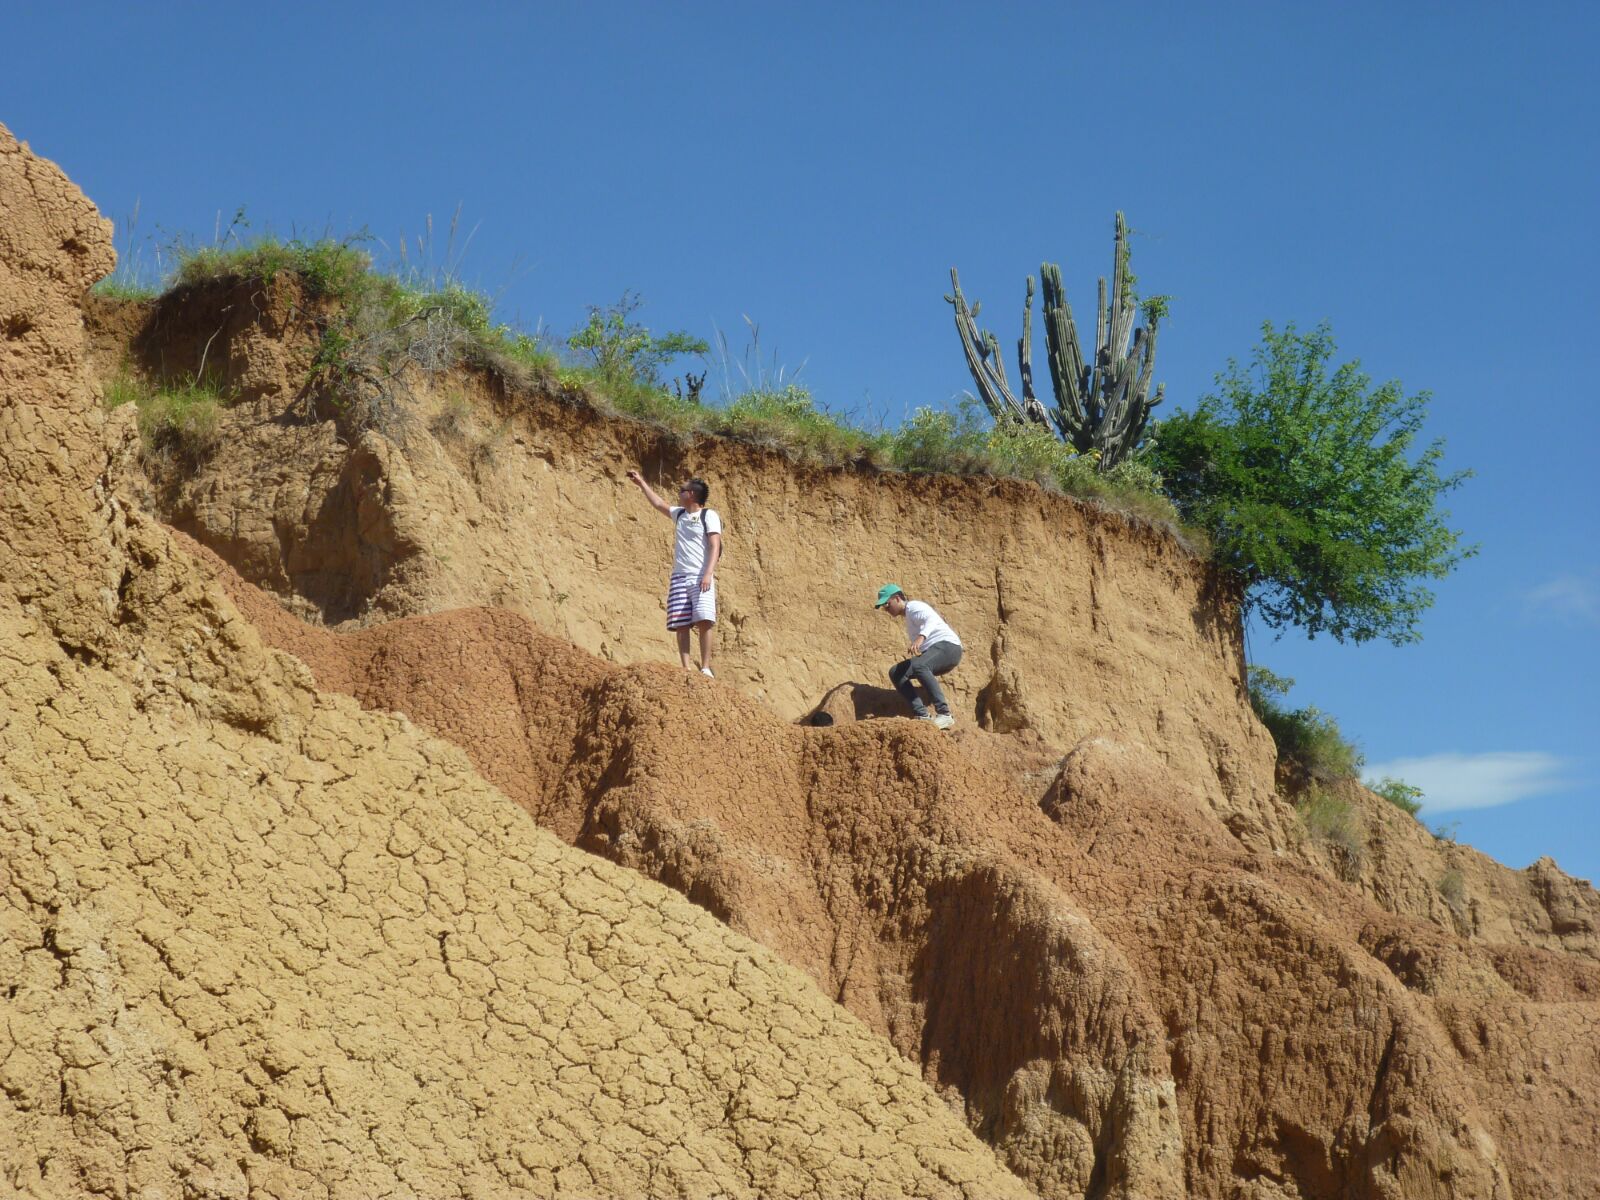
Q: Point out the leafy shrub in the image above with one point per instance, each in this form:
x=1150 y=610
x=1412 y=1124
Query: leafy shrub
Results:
x=931 y=440
x=1307 y=738
x=1305 y=481
x=1332 y=823
x=622 y=351
x=1402 y=795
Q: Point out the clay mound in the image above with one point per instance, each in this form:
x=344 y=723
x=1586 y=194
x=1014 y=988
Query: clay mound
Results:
x=255 y=941
x=1127 y=1000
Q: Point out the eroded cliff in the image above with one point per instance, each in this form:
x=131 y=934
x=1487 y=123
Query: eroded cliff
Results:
x=1077 y=621
x=1090 y=923
x=256 y=941
x=1125 y=1000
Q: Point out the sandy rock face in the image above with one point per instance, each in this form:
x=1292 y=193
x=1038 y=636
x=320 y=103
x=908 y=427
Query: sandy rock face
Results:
x=254 y=941
x=1076 y=622
x=1124 y=1000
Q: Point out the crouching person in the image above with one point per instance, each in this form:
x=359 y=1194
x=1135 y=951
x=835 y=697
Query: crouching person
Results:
x=935 y=651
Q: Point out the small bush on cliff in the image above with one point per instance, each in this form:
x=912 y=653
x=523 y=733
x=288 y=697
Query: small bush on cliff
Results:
x=1334 y=825
x=1309 y=740
x=788 y=419
x=1402 y=795
x=1305 y=480
x=179 y=422
x=621 y=351
x=1453 y=887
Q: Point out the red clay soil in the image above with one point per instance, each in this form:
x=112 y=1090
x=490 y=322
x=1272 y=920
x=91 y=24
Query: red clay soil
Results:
x=1124 y=1001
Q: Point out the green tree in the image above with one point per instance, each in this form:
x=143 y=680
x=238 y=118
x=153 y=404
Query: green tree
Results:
x=1306 y=481
x=625 y=352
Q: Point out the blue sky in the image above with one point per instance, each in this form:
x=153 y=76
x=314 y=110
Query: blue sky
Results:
x=1424 y=176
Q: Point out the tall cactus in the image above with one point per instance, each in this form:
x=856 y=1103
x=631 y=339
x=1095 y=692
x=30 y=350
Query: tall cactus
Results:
x=1102 y=405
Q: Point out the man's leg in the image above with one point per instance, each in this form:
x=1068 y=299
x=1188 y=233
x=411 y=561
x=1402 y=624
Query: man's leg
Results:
x=683 y=648
x=708 y=642
x=900 y=676
x=926 y=668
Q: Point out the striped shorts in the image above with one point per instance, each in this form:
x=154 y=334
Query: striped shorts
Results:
x=687 y=605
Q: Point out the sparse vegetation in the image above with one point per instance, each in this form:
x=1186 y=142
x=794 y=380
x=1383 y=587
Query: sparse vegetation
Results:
x=119 y=287
x=1453 y=887
x=179 y=422
x=1335 y=826
x=380 y=329
x=1308 y=739
x=1402 y=795
x=621 y=351
x=962 y=444
x=138 y=275
x=325 y=267
x=789 y=418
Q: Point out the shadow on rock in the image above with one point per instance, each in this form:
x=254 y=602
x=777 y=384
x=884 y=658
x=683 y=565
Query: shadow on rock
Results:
x=849 y=702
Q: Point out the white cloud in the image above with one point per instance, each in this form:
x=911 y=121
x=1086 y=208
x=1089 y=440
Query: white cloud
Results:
x=1571 y=598
x=1451 y=782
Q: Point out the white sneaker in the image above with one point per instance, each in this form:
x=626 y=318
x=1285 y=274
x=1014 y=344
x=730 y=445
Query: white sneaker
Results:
x=706 y=671
x=944 y=720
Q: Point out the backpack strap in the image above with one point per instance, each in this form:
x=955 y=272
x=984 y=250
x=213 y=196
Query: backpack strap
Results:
x=705 y=534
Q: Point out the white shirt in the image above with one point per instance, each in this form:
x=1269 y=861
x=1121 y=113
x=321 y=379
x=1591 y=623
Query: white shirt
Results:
x=694 y=528
x=922 y=621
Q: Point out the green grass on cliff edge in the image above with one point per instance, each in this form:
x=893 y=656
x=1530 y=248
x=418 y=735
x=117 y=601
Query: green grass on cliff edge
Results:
x=784 y=417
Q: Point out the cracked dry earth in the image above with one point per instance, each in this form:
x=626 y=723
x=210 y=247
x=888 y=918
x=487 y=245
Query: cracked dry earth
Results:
x=255 y=941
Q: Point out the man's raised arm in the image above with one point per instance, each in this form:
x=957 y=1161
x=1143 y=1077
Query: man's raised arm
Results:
x=656 y=502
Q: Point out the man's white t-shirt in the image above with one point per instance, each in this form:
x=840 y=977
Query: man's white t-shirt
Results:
x=922 y=621
x=689 y=555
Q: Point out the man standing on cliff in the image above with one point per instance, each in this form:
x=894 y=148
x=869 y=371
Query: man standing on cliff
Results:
x=692 y=592
x=935 y=651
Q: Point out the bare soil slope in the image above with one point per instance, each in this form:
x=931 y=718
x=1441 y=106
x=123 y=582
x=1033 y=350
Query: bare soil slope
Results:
x=1126 y=1001
x=256 y=941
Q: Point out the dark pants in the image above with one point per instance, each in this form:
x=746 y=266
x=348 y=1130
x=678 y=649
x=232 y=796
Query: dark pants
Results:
x=938 y=659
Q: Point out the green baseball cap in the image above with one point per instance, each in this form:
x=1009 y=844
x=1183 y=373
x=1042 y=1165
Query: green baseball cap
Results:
x=887 y=590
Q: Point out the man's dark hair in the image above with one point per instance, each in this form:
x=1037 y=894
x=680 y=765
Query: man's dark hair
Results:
x=700 y=488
